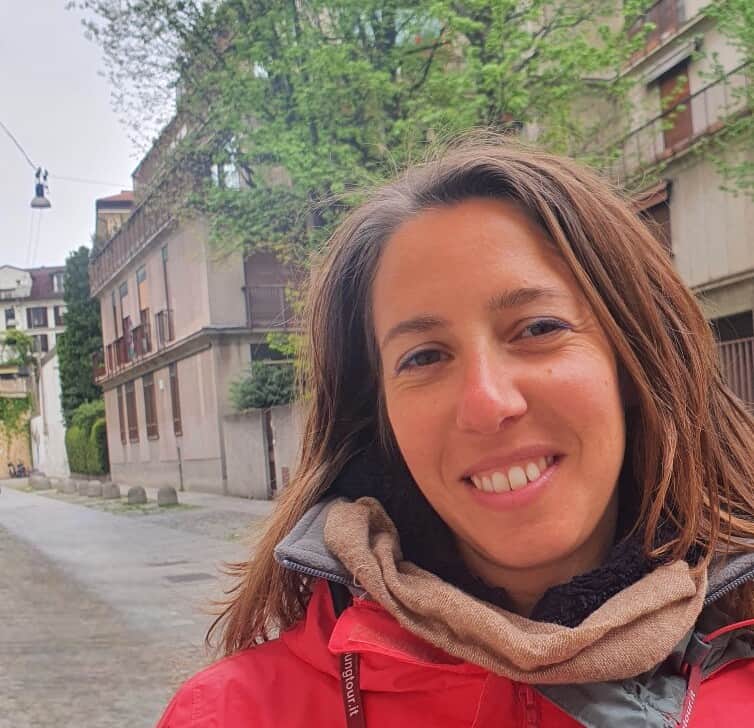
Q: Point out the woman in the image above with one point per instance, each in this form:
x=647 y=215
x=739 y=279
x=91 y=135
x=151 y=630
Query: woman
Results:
x=525 y=495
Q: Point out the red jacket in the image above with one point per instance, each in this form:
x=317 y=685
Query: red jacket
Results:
x=296 y=681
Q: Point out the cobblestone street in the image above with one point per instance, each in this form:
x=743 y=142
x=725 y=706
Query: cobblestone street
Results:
x=102 y=614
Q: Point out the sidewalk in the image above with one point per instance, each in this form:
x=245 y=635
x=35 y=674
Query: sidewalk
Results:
x=254 y=508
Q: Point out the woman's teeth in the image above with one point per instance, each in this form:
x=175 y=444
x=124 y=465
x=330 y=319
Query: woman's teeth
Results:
x=516 y=477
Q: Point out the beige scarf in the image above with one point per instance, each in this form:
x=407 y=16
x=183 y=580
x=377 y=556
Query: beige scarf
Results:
x=629 y=634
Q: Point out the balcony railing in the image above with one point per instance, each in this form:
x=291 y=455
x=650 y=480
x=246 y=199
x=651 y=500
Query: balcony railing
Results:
x=267 y=307
x=710 y=107
x=163 y=325
x=141 y=340
x=737 y=364
x=666 y=17
x=134 y=234
x=99 y=368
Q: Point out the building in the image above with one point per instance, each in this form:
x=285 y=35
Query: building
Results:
x=32 y=301
x=178 y=326
x=680 y=102
x=47 y=427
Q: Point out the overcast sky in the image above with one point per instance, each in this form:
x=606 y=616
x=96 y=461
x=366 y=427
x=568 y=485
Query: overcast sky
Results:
x=58 y=107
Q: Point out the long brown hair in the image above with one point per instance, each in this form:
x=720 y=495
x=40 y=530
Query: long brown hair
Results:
x=689 y=438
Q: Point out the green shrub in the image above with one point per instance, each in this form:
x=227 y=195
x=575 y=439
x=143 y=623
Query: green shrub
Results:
x=97 y=458
x=265 y=385
x=76 y=445
x=86 y=439
x=85 y=415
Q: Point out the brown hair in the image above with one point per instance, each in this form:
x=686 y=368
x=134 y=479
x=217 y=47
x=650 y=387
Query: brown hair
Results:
x=689 y=437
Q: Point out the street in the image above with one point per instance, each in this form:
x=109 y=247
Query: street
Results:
x=103 y=615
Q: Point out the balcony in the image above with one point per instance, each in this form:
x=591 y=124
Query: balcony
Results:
x=138 y=230
x=163 y=325
x=737 y=365
x=659 y=139
x=14 y=386
x=267 y=307
x=666 y=17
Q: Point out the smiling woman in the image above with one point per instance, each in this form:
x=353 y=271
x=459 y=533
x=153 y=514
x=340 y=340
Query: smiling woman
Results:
x=525 y=493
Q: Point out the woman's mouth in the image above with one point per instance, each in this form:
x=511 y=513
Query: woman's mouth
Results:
x=512 y=478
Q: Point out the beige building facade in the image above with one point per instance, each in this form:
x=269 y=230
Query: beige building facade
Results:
x=178 y=326
x=681 y=102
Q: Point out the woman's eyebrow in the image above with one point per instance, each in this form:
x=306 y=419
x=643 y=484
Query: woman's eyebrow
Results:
x=420 y=324
x=522 y=296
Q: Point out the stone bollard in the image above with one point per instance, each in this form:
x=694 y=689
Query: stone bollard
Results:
x=82 y=487
x=39 y=482
x=95 y=489
x=136 y=495
x=56 y=484
x=167 y=496
x=69 y=487
x=110 y=490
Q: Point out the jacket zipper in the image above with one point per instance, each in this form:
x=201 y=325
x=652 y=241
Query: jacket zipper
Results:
x=528 y=699
x=317 y=573
x=723 y=590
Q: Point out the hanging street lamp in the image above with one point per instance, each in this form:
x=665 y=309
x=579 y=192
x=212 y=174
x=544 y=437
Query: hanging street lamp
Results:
x=39 y=201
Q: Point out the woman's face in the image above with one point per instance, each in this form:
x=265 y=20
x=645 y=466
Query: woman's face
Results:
x=501 y=387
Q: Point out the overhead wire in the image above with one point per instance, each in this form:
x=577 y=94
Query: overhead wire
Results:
x=79 y=180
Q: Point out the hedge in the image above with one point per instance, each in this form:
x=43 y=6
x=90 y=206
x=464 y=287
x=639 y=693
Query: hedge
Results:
x=265 y=385
x=86 y=440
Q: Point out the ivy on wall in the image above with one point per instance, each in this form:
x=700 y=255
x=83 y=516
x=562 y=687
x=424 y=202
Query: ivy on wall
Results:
x=12 y=420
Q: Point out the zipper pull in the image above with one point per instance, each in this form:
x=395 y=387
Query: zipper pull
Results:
x=528 y=699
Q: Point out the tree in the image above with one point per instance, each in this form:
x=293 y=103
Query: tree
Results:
x=735 y=20
x=309 y=101
x=82 y=336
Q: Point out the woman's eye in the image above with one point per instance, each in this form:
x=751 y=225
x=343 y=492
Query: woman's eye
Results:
x=421 y=359
x=542 y=327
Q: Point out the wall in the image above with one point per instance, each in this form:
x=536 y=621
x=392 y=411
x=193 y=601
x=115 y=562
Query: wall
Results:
x=187 y=285
x=155 y=461
x=246 y=453
x=246 y=449
x=287 y=430
x=710 y=227
x=48 y=429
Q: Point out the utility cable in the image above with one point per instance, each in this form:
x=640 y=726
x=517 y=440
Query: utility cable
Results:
x=20 y=148
x=79 y=180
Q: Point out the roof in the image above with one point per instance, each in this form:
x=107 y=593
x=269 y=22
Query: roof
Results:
x=41 y=282
x=125 y=198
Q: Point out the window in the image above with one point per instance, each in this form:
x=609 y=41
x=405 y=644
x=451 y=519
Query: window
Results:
x=10 y=318
x=121 y=416
x=676 y=105
x=59 y=310
x=133 y=423
x=57 y=282
x=123 y=290
x=36 y=317
x=175 y=400
x=41 y=343
x=150 y=407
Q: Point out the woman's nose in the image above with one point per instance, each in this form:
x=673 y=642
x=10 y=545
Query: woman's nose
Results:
x=489 y=396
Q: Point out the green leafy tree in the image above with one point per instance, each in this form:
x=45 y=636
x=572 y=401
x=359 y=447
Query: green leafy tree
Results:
x=310 y=101
x=82 y=337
